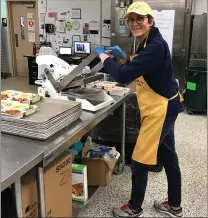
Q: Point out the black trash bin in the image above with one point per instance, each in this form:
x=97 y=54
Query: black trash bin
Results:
x=196 y=89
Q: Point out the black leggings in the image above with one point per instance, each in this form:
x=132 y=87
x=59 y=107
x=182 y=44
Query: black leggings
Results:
x=167 y=156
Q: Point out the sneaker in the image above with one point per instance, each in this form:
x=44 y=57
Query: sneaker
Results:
x=164 y=207
x=126 y=211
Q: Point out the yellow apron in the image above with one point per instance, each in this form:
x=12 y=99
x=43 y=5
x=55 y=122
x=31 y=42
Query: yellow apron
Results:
x=153 y=108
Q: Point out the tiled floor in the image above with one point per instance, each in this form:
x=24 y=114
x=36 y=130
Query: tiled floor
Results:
x=18 y=84
x=191 y=143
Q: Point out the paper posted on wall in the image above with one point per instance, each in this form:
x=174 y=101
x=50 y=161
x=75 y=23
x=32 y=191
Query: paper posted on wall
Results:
x=94 y=25
x=29 y=15
x=165 y=21
x=31 y=36
x=42 y=18
x=106 y=41
x=106 y=28
x=62 y=26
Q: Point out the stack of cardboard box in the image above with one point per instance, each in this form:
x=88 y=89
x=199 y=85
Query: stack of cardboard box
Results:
x=64 y=182
x=58 y=189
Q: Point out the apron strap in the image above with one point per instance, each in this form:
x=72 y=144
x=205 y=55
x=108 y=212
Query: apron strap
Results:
x=173 y=96
x=181 y=98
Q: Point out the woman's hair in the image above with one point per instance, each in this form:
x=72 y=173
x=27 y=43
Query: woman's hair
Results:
x=150 y=19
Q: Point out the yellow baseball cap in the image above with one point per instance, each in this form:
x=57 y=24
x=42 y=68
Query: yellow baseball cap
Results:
x=141 y=8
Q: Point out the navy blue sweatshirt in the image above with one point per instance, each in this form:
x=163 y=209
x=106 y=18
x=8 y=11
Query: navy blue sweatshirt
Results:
x=155 y=65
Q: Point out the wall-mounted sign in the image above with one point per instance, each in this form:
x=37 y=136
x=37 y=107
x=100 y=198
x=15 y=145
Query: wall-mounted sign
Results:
x=122 y=23
x=76 y=13
x=31 y=24
x=4 y=22
x=106 y=29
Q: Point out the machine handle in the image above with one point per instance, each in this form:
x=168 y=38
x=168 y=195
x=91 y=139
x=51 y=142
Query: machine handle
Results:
x=16 y=40
x=39 y=82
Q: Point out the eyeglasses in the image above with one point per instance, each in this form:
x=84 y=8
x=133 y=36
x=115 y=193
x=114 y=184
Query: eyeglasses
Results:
x=139 y=20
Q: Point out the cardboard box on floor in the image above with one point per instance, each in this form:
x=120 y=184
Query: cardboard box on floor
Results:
x=29 y=194
x=58 y=189
x=99 y=171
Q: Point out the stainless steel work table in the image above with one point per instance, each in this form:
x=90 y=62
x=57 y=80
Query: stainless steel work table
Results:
x=16 y=160
x=49 y=149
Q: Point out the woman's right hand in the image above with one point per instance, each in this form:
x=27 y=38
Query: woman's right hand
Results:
x=117 y=52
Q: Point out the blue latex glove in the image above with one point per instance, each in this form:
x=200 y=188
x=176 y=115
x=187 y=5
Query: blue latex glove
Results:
x=117 y=52
x=99 y=50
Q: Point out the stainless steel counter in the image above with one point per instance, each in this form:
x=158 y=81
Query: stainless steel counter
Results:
x=29 y=152
x=16 y=160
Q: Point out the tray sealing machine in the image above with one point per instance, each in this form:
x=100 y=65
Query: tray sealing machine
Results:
x=62 y=81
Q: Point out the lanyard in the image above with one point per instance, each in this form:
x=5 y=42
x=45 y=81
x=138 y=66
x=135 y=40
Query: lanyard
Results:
x=145 y=43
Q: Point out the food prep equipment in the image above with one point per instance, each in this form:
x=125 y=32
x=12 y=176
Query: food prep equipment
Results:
x=62 y=81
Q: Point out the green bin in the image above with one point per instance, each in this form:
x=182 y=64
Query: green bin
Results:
x=196 y=89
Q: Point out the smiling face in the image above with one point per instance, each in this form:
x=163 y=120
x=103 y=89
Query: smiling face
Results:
x=139 y=25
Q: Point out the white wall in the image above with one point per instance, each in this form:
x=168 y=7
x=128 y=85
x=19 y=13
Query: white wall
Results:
x=199 y=7
x=90 y=10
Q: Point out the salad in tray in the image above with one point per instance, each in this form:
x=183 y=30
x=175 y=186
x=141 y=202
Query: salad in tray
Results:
x=9 y=94
x=20 y=96
x=12 y=113
x=16 y=109
x=27 y=98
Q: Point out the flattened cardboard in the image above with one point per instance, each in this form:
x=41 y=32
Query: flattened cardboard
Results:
x=29 y=194
x=58 y=187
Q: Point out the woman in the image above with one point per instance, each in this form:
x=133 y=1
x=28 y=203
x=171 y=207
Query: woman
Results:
x=159 y=103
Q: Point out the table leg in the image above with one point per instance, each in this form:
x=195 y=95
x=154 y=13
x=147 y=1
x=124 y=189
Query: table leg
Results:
x=120 y=166
x=41 y=191
x=18 y=197
x=123 y=132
